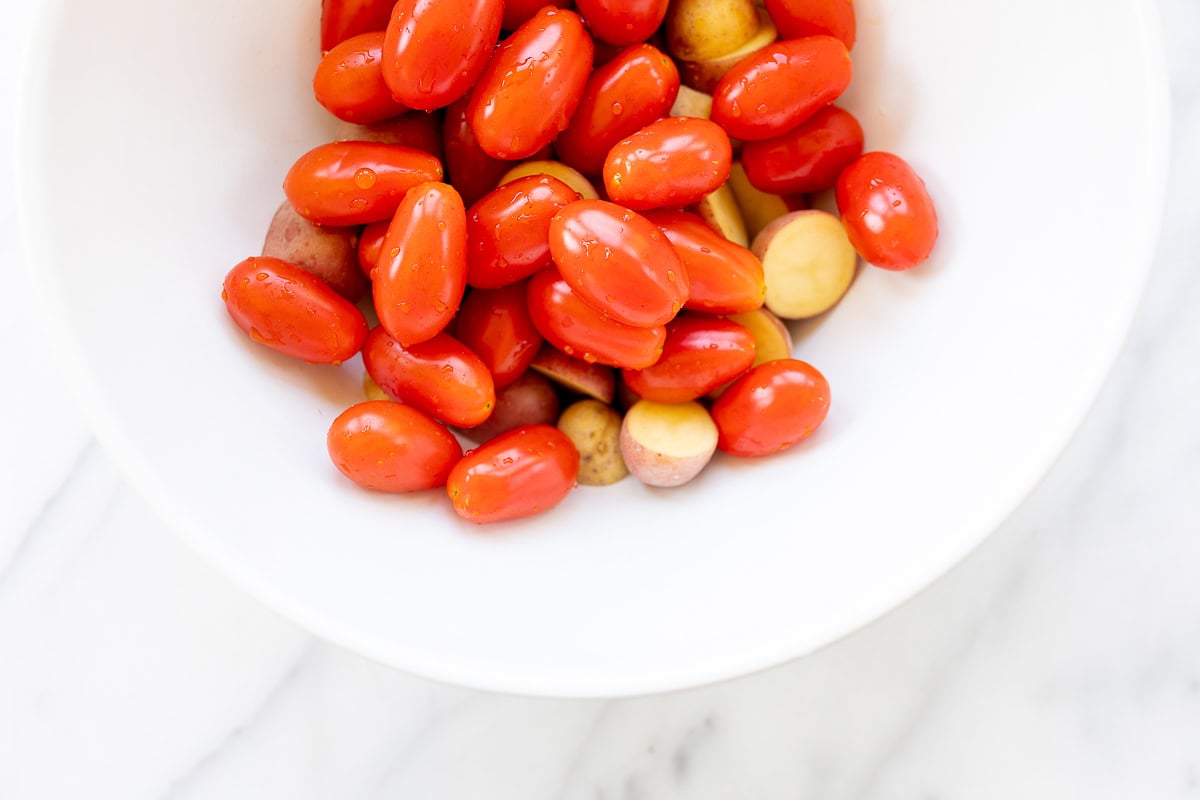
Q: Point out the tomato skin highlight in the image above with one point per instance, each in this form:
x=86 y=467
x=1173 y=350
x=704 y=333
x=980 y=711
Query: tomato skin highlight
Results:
x=520 y=473
x=723 y=276
x=495 y=324
x=772 y=91
x=808 y=158
x=622 y=22
x=421 y=273
x=577 y=329
x=532 y=85
x=673 y=162
x=349 y=82
x=508 y=230
x=355 y=183
x=434 y=50
x=290 y=310
x=441 y=377
x=620 y=98
x=770 y=408
x=887 y=211
x=618 y=262
x=392 y=447
x=796 y=19
x=700 y=354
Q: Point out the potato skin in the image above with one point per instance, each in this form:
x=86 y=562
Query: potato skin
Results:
x=701 y=30
x=529 y=400
x=328 y=252
x=595 y=429
x=655 y=468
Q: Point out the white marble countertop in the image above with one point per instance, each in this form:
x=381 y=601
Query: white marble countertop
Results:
x=1061 y=660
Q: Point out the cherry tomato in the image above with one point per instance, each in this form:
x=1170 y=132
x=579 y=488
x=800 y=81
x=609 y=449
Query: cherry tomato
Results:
x=622 y=22
x=421 y=274
x=808 y=158
x=700 y=354
x=349 y=82
x=391 y=447
x=290 y=310
x=888 y=213
x=517 y=12
x=341 y=19
x=723 y=276
x=370 y=245
x=621 y=97
x=775 y=89
x=473 y=172
x=796 y=19
x=618 y=262
x=532 y=85
x=520 y=473
x=442 y=377
x=508 y=230
x=434 y=50
x=579 y=330
x=353 y=183
x=771 y=407
x=673 y=162
x=495 y=324
x=418 y=131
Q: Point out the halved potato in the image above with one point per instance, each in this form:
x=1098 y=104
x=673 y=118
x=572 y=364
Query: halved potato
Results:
x=759 y=209
x=581 y=377
x=700 y=30
x=703 y=75
x=720 y=210
x=667 y=444
x=555 y=169
x=595 y=429
x=772 y=339
x=692 y=103
x=808 y=263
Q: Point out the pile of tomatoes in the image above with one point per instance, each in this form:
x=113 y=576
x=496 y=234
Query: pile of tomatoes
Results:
x=472 y=276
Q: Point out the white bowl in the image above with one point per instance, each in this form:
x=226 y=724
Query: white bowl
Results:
x=155 y=138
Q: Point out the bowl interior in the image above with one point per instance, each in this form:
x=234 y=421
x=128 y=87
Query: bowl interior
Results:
x=155 y=139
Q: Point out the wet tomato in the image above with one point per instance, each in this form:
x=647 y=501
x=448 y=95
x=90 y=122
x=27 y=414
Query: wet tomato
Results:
x=508 y=230
x=673 y=162
x=622 y=22
x=771 y=407
x=473 y=172
x=796 y=19
x=495 y=324
x=808 y=158
x=723 y=276
x=516 y=12
x=349 y=82
x=700 y=354
x=341 y=19
x=370 y=245
x=520 y=473
x=391 y=447
x=888 y=213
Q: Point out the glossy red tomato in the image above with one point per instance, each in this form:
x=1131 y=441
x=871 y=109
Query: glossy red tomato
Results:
x=808 y=158
x=618 y=262
x=473 y=172
x=517 y=12
x=622 y=22
x=888 y=213
x=796 y=19
x=349 y=81
x=775 y=89
x=532 y=85
x=723 y=276
x=442 y=377
x=673 y=162
x=353 y=183
x=620 y=98
x=520 y=473
x=391 y=447
x=771 y=407
x=508 y=230
x=421 y=273
x=579 y=330
x=435 y=50
x=289 y=310
x=370 y=245
x=341 y=19
x=700 y=354
x=495 y=324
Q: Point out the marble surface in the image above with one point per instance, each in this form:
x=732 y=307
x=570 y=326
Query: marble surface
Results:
x=1060 y=660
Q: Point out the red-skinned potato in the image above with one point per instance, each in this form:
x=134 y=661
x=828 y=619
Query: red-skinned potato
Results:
x=596 y=381
x=329 y=252
x=528 y=400
x=419 y=130
x=667 y=444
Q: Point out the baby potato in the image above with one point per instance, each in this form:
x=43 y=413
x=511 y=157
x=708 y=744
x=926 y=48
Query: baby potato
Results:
x=701 y=30
x=595 y=429
x=691 y=103
x=329 y=252
x=759 y=208
x=720 y=210
x=808 y=263
x=555 y=169
x=529 y=400
x=667 y=444
x=703 y=75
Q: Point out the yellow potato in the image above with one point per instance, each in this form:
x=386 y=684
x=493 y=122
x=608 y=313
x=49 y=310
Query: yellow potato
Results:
x=692 y=103
x=701 y=30
x=808 y=263
x=555 y=169
x=772 y=339
x=703 y=75
x=667 y=444
x=759 y=208
x=720 y=210
x=595 y=429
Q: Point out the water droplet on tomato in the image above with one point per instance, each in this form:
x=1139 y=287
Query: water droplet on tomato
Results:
x=441 y=226
x=262 y=276
x=364 y=178
x=617 y=109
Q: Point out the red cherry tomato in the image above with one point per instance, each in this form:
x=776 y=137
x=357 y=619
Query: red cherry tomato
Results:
x=508 y=230
x=888 y=213
x=775 y=89
x=579 y=330
x=421 y=273
x=723 y=277
x=532 y=85
x=622 y=22
x=353 y=183
x=700 y=354
x=473 y=172
x=796 y=19
x=771 y=407
x=673 y=162
x=495 y=324
x=517 y=12
x=618 y=262
x=341 y=19
x=391 y=447
x=349 y=82
x=621 y=97
x=520 y=473
x=434 y=50
x=370 y=245
x=442 y=377
x=808 y=158
x=290 y=310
